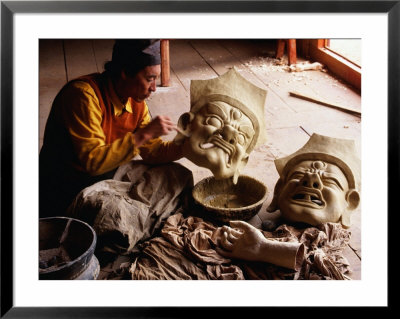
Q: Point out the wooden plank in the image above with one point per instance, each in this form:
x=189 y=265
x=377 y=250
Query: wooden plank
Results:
x=318 y=100
x=285 y=141
x=188 y=64
x=165 y=65
x=215 y=55
x=171 y=101
x=280 y=48
x=292 y=52
x=79 y=57
x=338 y=65
x=260 y=62
x=289 y=123
x=331 y=88
x=102 y=52
x=355 y=263
x=253 y=63
x=355 y=241
x=337 y=129
x=279 y=81
x=262 y=167
x=222 y=55
x=52 y=76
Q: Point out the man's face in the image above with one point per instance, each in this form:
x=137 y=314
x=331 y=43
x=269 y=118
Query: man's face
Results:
x=314 y=192
x=220 y=136
x=140 y=86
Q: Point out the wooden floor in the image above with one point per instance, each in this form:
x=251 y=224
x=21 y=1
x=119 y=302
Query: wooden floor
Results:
x=289 y=120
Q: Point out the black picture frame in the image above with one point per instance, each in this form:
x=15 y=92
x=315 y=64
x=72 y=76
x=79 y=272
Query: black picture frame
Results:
x=9 y=8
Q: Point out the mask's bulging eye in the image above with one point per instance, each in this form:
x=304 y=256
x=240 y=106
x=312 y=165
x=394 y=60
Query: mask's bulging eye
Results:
x=207 y=146
x=296 y=176
x=241 y=139
x=214 y=121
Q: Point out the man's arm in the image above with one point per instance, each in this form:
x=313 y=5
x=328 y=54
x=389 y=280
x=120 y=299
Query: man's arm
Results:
x=82 y=116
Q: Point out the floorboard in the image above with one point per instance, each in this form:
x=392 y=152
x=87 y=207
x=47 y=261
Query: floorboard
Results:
x=80 y=58
x=102 y=49
x=289 y=120
x=52 y=77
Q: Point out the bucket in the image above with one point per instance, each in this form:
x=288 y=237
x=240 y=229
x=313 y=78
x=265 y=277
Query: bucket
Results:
x=66 y=249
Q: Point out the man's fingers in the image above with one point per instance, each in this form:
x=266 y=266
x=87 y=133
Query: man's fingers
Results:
x=241 y=225
x=235 y=232
x=233 y=235
x=225 y=243
x=161 y=125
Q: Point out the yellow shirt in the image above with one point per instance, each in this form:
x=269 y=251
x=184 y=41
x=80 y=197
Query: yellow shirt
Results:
x=82 y=117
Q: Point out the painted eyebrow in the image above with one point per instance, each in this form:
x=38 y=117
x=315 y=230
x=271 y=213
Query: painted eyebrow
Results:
x=246 y=129
x=296 y=172
x=216 y=110
x=329 y=176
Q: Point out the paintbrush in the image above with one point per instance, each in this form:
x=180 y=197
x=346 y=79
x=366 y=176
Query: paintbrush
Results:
x=179 y=130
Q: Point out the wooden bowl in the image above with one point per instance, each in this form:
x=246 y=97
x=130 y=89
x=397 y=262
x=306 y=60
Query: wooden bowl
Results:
x=223 y=201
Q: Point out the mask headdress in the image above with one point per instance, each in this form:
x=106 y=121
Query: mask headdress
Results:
x=235 y=90
x=341 y=152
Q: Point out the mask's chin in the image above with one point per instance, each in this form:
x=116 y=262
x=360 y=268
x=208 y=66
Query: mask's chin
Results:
x=227 y=153
x=217 y=142
x=215 y=155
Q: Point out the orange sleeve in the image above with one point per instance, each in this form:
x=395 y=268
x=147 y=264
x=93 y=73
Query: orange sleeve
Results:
x=82 y=116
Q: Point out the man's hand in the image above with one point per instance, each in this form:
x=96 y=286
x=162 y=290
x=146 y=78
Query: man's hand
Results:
x=243 y=241
x=161 y=125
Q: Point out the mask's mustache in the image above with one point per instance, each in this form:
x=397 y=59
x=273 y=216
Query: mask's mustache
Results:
x=217 y=141
x=227 y=147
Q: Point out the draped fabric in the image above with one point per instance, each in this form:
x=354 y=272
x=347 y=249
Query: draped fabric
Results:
x=185 y=250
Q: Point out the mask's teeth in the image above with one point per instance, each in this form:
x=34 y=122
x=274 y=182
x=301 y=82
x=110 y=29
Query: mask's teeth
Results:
x=316 y=200
x=207 y=145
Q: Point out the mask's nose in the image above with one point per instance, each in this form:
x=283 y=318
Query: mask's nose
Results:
x=311 y=180
x=229 y=134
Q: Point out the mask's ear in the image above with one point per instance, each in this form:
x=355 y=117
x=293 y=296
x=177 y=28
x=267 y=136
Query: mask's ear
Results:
x=277 y=190
x=353 y=200
x=241 y=165
x=184 y=125
x=184 y=120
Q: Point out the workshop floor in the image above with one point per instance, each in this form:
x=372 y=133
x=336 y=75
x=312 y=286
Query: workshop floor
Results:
x=290 y=121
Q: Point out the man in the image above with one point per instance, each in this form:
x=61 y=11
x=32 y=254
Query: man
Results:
x=225 y=123
x=99 y=122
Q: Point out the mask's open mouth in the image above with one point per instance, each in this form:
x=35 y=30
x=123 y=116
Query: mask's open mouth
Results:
x=308 y=197
x=216 y=141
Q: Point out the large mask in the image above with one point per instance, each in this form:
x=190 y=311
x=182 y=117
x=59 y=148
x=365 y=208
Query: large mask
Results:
x=319 y=182
x=225 y=123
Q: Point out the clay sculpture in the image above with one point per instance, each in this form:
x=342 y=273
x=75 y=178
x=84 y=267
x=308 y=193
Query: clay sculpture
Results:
x=225 y=123
x=319 y=183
